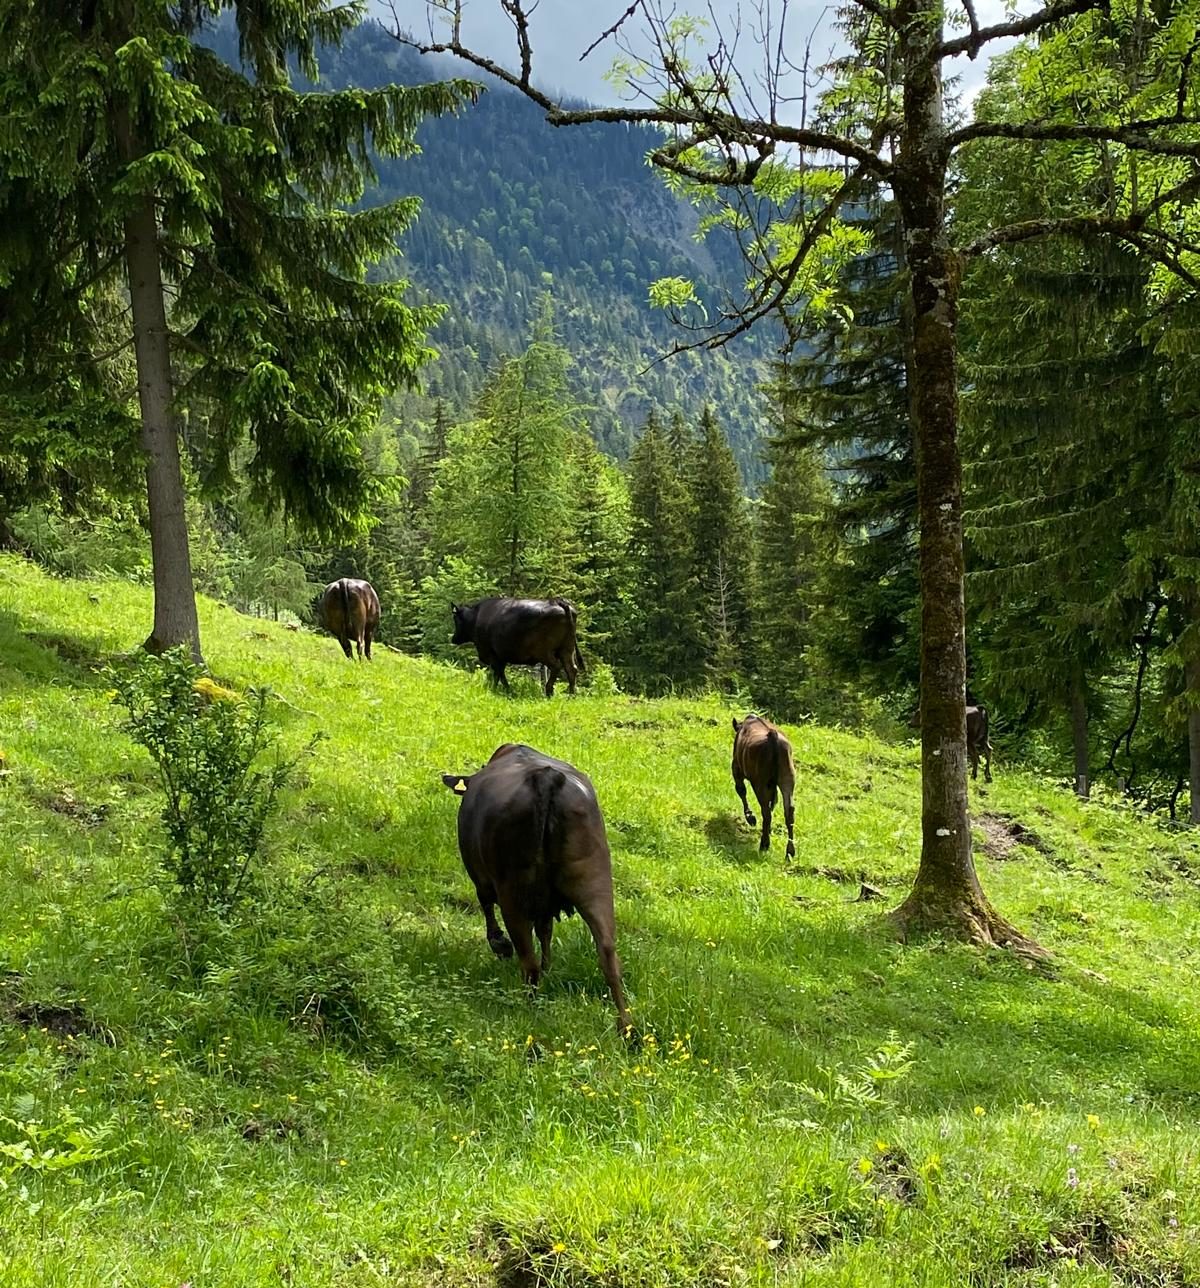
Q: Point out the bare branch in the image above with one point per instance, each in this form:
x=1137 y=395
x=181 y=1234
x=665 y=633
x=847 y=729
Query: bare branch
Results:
x=1018 y=27
x=973 y=19
x=1133 y=135
x=699 y=117
x=612 y=31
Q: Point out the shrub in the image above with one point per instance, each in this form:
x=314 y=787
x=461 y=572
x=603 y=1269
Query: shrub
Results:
x=205 y=740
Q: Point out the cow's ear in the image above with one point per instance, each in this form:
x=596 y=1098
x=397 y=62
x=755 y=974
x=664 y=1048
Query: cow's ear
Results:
x=454 y=608
x=457 y=783
x=736 y=726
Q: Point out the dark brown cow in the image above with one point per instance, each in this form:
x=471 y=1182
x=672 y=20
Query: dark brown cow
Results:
x=978 y=742
x=349 y=611
x=532 y=839
x=977 y=739
x=516 y=632
x=763 y=755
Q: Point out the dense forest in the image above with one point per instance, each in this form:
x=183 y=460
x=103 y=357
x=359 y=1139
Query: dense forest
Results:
x=511 y=210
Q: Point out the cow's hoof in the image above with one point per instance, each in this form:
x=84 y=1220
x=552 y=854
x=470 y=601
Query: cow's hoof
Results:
x=629 y=1034
x=751 y=820
x=501 y=947
x=763 y=846
x=791 y=850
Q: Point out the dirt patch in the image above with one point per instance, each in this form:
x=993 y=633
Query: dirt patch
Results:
x=1003 y=833
x=64 y=1020
x=895 y=1177
x=256 y=1130
x=1091 y=1240
x=845 y=876
x=65 y=802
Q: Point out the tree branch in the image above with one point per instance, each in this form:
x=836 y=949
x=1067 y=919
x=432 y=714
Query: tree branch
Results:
x=698 y=118
x=1018 y=27
x=1132 y=135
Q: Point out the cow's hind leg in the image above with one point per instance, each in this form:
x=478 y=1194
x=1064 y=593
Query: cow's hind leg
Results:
x=570 y=670
x=344 y=641
x=499 y=676
x=987 y=762
x=367 y=644
x=767 y=807
x=521 y=933
x=497 y=940
x=739 y=786
x=789 y=818
x=601 y=923
x=551 y=677
x=545 y=933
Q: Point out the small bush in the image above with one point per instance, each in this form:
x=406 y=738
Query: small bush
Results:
x=206 y=741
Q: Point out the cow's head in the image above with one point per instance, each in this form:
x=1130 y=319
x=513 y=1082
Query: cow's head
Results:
x=464 y=623
x=458 y=783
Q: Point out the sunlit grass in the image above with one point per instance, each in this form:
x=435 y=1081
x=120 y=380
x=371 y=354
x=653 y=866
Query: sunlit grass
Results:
x=350 y=1089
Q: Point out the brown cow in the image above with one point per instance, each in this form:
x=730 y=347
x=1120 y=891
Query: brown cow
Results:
x=349 y=611
x=532 y=839
x=514 y=632
x=763 y=755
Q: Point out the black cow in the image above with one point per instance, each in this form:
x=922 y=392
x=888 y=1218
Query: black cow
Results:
x=516 y=632
x=349 y=611
x=532 y=839
x=977 y=742
x=763 y=754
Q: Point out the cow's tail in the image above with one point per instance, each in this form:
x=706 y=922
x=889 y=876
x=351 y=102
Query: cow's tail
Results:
x=775 y=750
x=546 y=784
x=347 y=620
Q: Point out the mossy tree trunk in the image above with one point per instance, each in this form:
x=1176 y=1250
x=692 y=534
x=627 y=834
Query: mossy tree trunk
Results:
x=946 y=897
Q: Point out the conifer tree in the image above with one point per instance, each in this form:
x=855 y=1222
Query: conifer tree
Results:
x=171 y=175
x=662 y=646
x=843 y=395
x=793 y=552
x=720 y=544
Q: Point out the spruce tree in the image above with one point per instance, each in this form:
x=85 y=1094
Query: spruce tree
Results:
x=843 y=395
x=168 y=174
x=793 y=553
x=720 y=547
x=663 y=643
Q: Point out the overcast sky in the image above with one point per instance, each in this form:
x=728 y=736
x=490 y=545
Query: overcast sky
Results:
x=562 y=29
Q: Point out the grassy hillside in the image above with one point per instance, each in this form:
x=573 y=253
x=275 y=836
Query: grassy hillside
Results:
x=350 y=1090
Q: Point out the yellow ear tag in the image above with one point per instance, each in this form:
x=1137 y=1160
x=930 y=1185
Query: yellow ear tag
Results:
x=460 y=788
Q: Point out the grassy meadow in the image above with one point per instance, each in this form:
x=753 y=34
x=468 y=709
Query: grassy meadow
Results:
x=347 y=1088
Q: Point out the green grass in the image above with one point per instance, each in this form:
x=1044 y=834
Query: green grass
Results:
x=349 y=1089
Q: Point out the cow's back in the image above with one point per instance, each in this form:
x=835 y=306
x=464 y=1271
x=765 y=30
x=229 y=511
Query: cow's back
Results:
x=756 y=754
x=532 y=823
x=523 y=630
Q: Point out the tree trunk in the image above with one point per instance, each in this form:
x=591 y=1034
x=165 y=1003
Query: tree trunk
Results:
x=946 y=897
x=175 y=620
x=1079 y=731
x=1192 y=672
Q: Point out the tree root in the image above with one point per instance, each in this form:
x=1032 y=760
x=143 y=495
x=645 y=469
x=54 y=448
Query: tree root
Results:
x=960 y=917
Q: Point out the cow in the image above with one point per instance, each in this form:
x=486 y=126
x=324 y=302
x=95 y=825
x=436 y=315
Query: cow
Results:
x=532 y=839
x=349 y=611
x=977 y=739
x=978 y=742
x=515 y=632
x=762 y=754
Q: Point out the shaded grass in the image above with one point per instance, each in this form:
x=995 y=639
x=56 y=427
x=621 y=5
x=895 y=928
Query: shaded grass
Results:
x=351 y=1089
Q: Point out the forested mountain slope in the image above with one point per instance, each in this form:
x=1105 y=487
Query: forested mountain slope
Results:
x=514 y=208
x=340 y=1086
